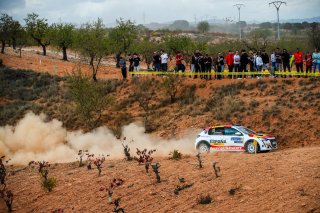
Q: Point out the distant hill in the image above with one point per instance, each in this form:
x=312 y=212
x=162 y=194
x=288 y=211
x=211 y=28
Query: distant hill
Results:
x=310 y=20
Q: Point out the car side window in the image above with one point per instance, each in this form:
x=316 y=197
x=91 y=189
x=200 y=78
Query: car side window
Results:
x=219 y=131
x=210 y=131
x=231 y=131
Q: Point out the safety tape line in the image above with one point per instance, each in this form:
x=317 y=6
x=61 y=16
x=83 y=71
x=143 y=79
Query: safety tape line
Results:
x=316 y=74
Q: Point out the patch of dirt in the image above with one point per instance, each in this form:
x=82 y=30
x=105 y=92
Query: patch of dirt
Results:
x=280 y=181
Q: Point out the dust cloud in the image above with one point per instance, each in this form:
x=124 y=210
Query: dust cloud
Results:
x=35 y=138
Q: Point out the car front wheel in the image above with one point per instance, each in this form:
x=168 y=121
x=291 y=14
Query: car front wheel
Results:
x=203 y=147
x=250 y=147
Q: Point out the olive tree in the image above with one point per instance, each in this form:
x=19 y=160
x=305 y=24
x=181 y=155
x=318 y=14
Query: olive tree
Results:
x=314 y=35
x=146 y=49
x=183 y=44
x=38 y=29
x=62 y=37
x=203 y=26
x=258 y=39
x=122 y=37
x=93 y=43
x=5 y=21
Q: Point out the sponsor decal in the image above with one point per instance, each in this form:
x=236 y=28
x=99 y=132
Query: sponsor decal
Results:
x=227 y=148
x=218 y=141
x=237 y=139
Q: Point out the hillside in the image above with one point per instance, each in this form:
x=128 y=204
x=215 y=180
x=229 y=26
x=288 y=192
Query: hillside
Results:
x=286 y=180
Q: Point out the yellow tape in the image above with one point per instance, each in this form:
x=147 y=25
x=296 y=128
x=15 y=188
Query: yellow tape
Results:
x=226 y=73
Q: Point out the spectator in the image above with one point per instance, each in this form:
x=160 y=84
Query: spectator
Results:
x=193 y=63
x=244 y=60
x=220 y=65
x=278 y=56
x=316 y=60
x=273 y=61
x=259 y=63
x=208 y=65
x=156 y=61
x=179 y=65
x=308 y=59
x=136 y=62
x=265 y=59
x=123 y=67
x=131 y=63
x=230 y=61
x=236 y=62
x=201 y=61
x=252 y=56
x=164 y=61
x=298 y=58
x=197 y=55
x=285 y=60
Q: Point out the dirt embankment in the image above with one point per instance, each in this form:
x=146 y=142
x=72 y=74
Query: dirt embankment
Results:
x=281 y=181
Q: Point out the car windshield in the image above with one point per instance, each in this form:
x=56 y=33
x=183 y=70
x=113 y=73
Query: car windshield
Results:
x=246 y=130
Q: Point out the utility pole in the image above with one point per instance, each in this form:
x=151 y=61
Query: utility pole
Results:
x=239 y=8
x=277 y=5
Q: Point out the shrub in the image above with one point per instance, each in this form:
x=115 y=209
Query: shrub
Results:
x=144 y=156
x=89 y=96
x=188 y=94
x=170 y=85
x=98 y=162
x=253 y=104
x=271 y=111
x=82 y=153
x=175 y=155
x=49 y=183
x=204 y=199
x=43 y=168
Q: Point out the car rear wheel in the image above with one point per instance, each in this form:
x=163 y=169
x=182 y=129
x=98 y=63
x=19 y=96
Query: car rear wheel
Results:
x=203 y=147
x=250 y=147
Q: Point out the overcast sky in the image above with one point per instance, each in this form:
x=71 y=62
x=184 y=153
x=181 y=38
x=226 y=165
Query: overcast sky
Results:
x=80 y=11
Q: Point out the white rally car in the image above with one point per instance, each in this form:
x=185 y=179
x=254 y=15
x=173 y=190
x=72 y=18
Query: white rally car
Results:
x=233 y=138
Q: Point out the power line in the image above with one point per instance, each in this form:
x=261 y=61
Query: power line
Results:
x=277 y=5
x=239 y=8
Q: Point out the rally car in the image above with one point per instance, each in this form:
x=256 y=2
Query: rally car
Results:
x=233 y=138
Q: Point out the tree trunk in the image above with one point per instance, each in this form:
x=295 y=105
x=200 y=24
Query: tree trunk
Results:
x=3 y=45
x=118 y=60
x=14 y=43
x=44 y=49
x=94 y=76
x=64 y=52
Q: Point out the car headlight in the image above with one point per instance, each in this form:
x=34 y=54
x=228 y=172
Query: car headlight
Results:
x=264 y=141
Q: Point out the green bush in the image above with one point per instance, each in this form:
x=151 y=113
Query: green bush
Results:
x=89 y=97
x=175 y=155
x=49 y=183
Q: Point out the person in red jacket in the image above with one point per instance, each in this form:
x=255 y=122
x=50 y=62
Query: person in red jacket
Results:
x=308 y=59
x=229 y=61
x=298 y=58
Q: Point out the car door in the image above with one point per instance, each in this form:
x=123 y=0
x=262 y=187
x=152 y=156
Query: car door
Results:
x=234 y=139
x=217 y=140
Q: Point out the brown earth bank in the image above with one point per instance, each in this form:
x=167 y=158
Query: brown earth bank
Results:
x=288 y=108
x=279 y=181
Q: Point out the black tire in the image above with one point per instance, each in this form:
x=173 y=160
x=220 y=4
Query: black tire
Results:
x=203 y=147
x=250 y=148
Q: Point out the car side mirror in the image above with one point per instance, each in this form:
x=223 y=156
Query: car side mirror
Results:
x=238 y=134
